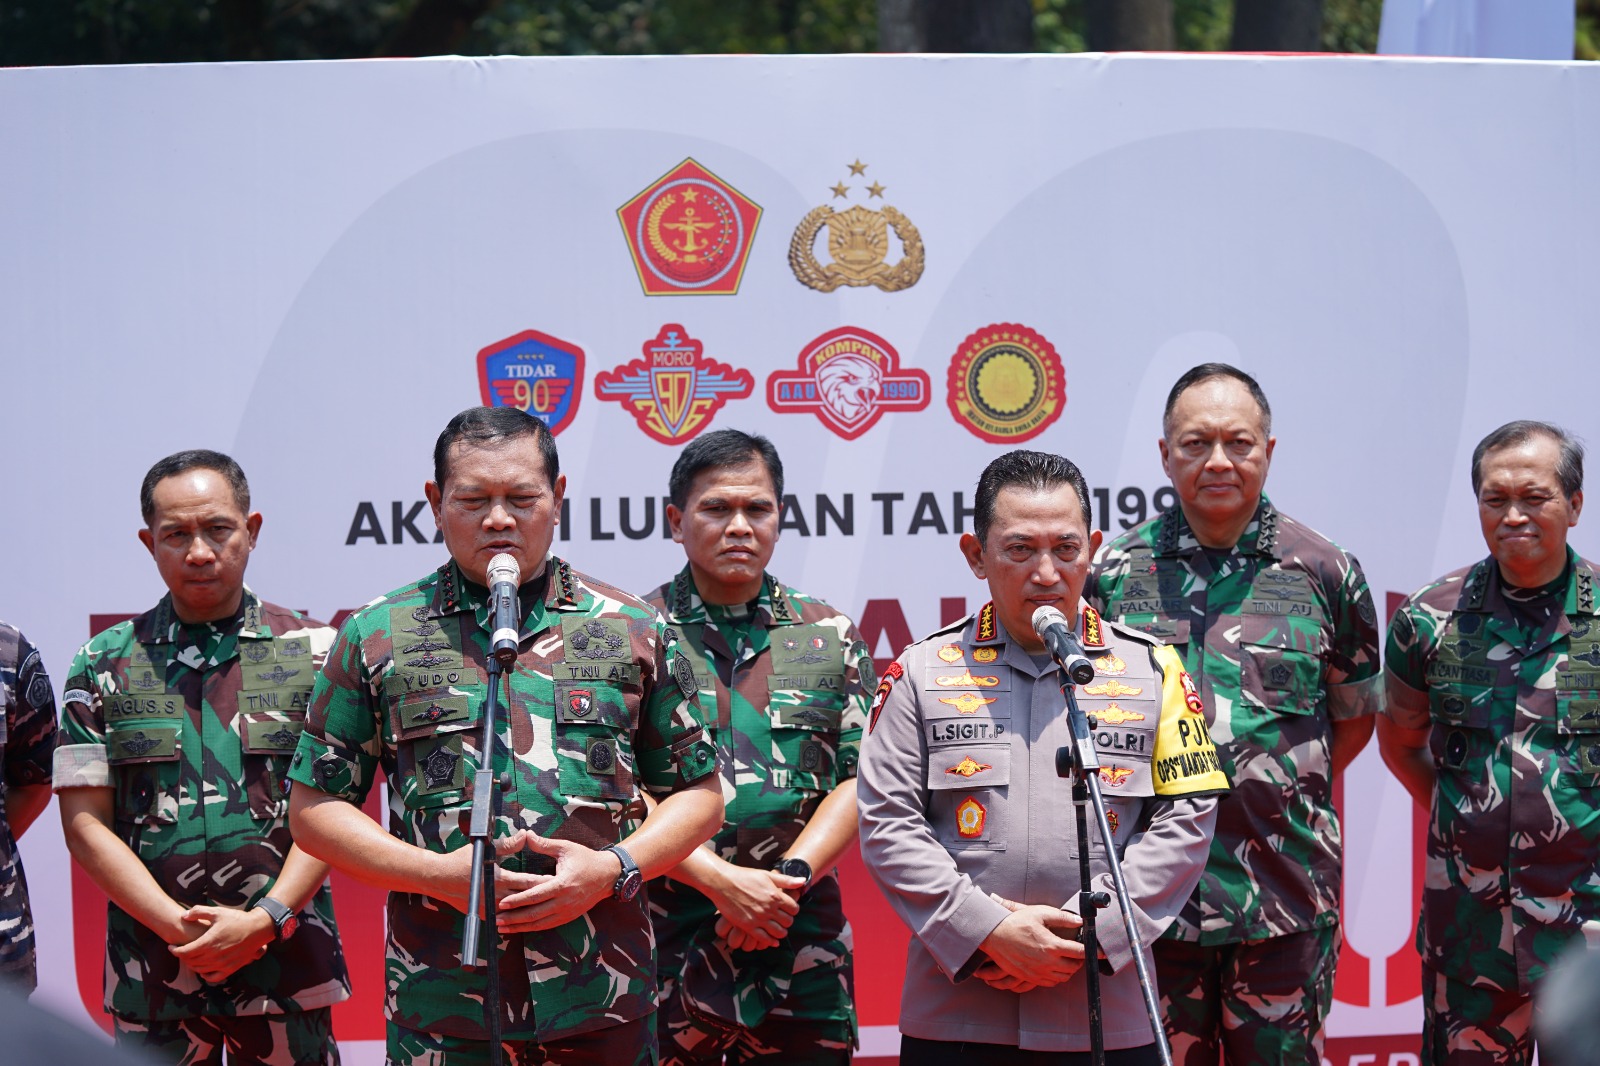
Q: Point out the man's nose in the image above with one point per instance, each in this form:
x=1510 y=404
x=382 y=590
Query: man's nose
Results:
x=200 y=552
x=499 y=518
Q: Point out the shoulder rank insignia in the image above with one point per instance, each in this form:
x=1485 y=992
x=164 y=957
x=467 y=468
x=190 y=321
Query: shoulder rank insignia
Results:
x=986 y=624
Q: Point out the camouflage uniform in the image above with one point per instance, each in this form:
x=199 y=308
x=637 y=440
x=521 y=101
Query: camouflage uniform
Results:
x=27 y=739
x=960 y=798
x=600 y=703
x=193 y=727
x=791 y=677
x=1280 y=635
x=1513 y=874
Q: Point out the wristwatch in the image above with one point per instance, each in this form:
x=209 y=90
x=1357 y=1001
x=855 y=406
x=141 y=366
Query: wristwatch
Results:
x=796 y=868
x=629 y=880
x=284 y=920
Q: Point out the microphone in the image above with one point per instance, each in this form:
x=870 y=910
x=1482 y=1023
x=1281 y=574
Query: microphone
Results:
x=505 y=613
x=1052 y=627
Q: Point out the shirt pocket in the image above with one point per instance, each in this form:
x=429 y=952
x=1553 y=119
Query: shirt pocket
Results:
x=804 y=723
x=1461 y=738
x=968 y=786
x=594 y=749
x=1578 y=723
x=1280 y=667
x=433 y=759
x=267 y=741
x=145 y=760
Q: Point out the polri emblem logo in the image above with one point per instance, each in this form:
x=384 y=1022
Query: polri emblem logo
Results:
x=858 y=243
x=536 y=373
x=674 y=391
x=1005 y=384
x=848 y=378
x=689 y=233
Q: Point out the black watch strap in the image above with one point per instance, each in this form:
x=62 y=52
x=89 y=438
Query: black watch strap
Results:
x=279 y=914
x=629 y=880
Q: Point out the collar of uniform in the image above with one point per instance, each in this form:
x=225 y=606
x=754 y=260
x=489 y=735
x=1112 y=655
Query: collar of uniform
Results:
x=160 y=624
x=1091 y=628
x=1260 y=537
x=1484 y=586
x=454 y=594
x=772 y=606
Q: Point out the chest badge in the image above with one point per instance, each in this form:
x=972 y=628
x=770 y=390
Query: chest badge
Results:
x=1113 y=688
x=967 y=702
x=1115 y=776
x=970 y=817
x=580 y=701
x=950 y=653
x=985 y=655
x=256 y=653
x=966 y=680
x=1109 y=664
x=1114 y=715
x=968 y=766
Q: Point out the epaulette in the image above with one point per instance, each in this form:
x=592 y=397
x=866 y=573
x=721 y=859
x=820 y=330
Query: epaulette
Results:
x=1586 y=589
x=680 y=593
x=1475 y=586
x=1267 y=538
x=780 y=603
x=1130 y=633
x=1167 y=539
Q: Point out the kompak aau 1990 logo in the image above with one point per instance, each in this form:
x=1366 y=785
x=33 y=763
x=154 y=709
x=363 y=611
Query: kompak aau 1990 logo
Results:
x=858 y=243
x=689 y=233
x=536 y=373
x=674 y=391
x=848 y=378
x=1005 y=384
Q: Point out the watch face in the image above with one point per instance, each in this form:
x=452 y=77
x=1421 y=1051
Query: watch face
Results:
x=629 y=885
x=290 y=924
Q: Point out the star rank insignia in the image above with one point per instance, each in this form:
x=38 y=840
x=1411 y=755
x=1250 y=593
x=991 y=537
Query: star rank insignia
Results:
x=674 y=391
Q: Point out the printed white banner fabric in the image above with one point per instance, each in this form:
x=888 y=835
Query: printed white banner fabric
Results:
x=1485 y=29
x=895 y=267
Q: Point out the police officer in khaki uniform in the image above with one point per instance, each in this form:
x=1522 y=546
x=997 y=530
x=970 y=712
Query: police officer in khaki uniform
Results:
x=970 y=832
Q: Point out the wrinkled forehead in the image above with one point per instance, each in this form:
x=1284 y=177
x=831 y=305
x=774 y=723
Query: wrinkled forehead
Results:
x=1528 y=464
x=191 y=496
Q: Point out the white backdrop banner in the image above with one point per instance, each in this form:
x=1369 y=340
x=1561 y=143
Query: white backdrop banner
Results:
x=896 y=267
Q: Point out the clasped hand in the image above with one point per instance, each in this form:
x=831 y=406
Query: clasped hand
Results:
x=526 y=903
x=755 y=907
x=1033 y=947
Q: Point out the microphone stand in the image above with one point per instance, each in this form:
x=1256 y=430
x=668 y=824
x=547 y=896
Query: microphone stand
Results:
x=483 y=866
x=1082 y=763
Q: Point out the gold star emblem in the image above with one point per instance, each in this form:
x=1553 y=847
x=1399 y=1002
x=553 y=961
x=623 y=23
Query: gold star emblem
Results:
x=841 y=189
x=875 y=190
x=858 y=167
x=690 y=194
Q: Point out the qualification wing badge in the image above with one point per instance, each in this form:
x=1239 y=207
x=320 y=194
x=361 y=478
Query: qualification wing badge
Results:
x=858 y=244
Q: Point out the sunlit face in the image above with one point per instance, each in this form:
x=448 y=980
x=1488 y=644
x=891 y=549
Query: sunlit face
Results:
x=1037 y=555
x=1216 y=452
x=201 y=540
x=1523 y=512
x=497 y=498
x=728 y=528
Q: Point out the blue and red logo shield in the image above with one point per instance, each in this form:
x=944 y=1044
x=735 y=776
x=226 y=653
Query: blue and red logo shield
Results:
x=536 y=373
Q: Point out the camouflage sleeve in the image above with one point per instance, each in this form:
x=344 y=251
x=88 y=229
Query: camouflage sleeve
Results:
x=860 y=680
x=671 y=746
x=1354 y=680
x=30 y=711
x=342 y=744
x=1405 y=673
x=80 y=760
x=1102 y=579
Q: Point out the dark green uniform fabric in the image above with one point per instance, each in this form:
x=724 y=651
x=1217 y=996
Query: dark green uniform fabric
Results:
x=1509 y=681
x=792 y=679
x=193 y=727
x=601 y=702
x=27 y=743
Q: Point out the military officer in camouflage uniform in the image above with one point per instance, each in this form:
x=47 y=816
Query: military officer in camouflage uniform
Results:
x=601 y=704
x=179 y=729
x=754 y=950
x=1493 y=676
x=27 y=739
x=970 y=832
x=1275 y=624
